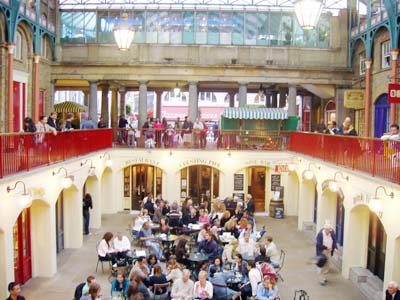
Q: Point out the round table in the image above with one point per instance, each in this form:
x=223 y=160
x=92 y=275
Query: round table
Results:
x=234 y=280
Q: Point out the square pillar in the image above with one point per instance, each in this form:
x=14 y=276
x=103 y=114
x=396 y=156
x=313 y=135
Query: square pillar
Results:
x=193 y=101
x=142 y=103
x=93 y=101
x=242 y=94
x=292 y=111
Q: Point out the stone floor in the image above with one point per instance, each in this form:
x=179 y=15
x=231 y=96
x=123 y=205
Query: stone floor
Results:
x=74 y=265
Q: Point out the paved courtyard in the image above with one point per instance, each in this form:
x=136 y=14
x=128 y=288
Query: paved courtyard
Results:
x=74 y=265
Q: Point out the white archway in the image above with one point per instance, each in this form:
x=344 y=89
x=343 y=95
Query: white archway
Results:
x=107 y=192
x=291 y=198
x=326 y=208
x=306 y=203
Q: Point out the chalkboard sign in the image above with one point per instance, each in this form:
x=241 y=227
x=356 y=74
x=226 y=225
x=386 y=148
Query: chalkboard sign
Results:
x=278 y=212
x=275 y=181
x=238 y=182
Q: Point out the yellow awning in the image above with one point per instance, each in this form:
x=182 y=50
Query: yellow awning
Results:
x=69 y=106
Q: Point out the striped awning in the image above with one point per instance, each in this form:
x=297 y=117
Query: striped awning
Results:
x=69 y=106
x=255 y=113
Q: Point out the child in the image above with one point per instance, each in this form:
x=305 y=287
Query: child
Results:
x=170 y=132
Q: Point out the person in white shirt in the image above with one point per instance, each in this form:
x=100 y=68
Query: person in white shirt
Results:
x=174 y=271
x=142 y=218
x=197 y=128
x=105 y=250
x=247 y=246
x=203 y=289
x=182 y=289
x=272 y=251
x=393 y=135
x=122 y=245
x=42 y=127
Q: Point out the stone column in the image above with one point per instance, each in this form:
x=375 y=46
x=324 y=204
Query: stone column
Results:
x=10 y=87
x=274 y=100
x=282 y=97
x=367 y=116
x=114 y=108
x=122 y=103
x=36 y=60
x=242 y=94
x=142 y=103
x=267 y=100
x=292 y=111
x=104 y=103
x=93 y=101
x=86 y=97
x=231 y=98
x=158 y=103
x=52 y=91
x=394 y=54
x=193 y=101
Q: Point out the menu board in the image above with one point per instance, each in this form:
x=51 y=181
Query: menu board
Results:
x=238 y=182
x=275 y=181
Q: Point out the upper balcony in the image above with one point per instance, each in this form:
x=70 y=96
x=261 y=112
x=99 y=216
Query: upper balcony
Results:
x=374 y=157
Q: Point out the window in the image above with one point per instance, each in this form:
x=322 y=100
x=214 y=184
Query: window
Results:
x=386 y=54
x=43 y=48
x=18 y=46
x=362 y=63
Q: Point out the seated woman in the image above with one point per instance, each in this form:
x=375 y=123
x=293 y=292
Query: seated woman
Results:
x=203 y=289
x=141 y=287
x=190 y=219
x=239 y=265
x=182 y=252
x=142 y=218
x=267 y=290
x=249 y=288
x=217 y=264
x=174 y=270
x=158 y=278
x=164 y=228
x=152 y=261
x=228 y=251
x=120 y=284
x=221 y=291
x=225 y=218
x=231 y=226
x=262 y=257
x=202 y=233
x=203 y=217
x=105 y=250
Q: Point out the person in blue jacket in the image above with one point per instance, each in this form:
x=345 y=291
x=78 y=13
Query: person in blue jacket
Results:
x=325 y=246
x=120 y=284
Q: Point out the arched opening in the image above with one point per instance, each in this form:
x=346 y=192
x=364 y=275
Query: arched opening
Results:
x=291 y=199
x=330 y=111
x=200 y=182
x=92 y=187
x=43 y=258
x=382 y=115
x=107 y=192
x=327 y=209
x=72 y=217
x=140 y=180
x=396 y=262
x=307 y=207
x=376 y=246
x=22 y=247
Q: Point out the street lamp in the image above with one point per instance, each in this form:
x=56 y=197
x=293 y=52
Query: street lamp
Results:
x=177 y=90
x=123 y=33
x=308 y=12
x=26 y=198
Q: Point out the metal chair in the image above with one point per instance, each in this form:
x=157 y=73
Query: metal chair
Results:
x=220 y=286
x=161 y=286
x=101 y=259
x=301 y=295
x=281 y=263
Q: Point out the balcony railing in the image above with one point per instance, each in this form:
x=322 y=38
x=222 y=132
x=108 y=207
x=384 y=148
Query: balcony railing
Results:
x=24 y=151
x=373 y=156
x=203 y=139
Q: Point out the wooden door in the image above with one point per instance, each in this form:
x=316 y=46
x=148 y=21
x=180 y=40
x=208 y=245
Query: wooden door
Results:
x=257 y=187
x=376 y=247
x=60 y=223
x=339 y=220
x=22 y=247
x=17 y=106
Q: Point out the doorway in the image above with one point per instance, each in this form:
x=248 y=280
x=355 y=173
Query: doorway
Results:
x=60 y=222
x=199 y=182
x=256 y=186
x=22 y=247
x=315 y=212
x=143 y=179
x=382 y=112
x=19 y=91
x=330 y=111
x=376 y=246
x=339 y=220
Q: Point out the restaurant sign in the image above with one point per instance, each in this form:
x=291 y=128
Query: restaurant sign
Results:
x=394 y=93
x=354 y=99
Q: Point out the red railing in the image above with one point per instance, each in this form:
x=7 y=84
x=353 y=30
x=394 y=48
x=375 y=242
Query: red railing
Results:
x=24 y=151
x=373 y=156
x=209 y=140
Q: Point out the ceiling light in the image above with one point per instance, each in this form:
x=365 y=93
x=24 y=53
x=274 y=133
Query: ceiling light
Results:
x=308 y=12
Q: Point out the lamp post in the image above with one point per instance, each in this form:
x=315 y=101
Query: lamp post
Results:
x=308 y=12
x=123 y=33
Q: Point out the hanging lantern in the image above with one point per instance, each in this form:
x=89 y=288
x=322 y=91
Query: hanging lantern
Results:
x=177 y=90
x=123 y=33
x=308 y=12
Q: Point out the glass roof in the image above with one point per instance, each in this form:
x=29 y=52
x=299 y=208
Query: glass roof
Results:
x=230 y=5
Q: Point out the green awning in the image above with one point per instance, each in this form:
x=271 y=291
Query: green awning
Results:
x=255 y=113
x=69 y=106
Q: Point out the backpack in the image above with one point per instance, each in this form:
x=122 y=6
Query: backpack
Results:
x=78 y=291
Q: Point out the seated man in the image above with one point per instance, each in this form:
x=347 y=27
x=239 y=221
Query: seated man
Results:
x=147 y=237
x=182 y=289
x=247 y=246
x=220 y=292
x=14 y=289
x=392 y=292
x=393 y=135
x=272 y=251
x=192 y=218
x=140 y=269
x=209 y=246
x=122 y=245
x=89 y=281
x=249 y=229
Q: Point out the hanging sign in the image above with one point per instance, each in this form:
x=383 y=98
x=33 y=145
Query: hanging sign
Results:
x=394 y=93
x=354 y=99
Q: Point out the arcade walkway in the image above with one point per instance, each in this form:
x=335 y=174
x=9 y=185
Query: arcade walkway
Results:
x=76 y=264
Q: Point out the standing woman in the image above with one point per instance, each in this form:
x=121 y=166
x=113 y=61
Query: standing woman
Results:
x=158 y=126
x=87 y=204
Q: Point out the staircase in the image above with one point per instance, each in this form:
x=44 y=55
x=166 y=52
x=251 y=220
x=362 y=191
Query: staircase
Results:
x=370 y=285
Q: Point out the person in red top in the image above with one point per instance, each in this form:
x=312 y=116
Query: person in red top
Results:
x=203 y=136
x=15 y=291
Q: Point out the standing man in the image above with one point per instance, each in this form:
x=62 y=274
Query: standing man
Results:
x=87 y=204
x=15 y=291
x=197 y=129
x=326 y=245
x=101 y=124
x=52 y=121
x=250 y=204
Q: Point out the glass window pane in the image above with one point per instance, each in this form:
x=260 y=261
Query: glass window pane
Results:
x=66 y=27
x=238 y=28
x=201 y=28
x=152 y=26
x=164 y=24
x=251 y=29
x=90 y=27
x=175 y=27
x=213 y=28
x=286 y=30
x=262 y=28
x=215 y=183
x=194 y=183
x=78 y=28
x=323 y=32
x=274 y=25
x=137 y=22
x=107 y=21
x=226 y=28
x=188 y=27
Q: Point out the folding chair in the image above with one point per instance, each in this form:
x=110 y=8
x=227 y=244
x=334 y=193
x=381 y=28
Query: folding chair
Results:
x=101 y=259
x=219 y=287
x=301 y=295
x=161 y=286
x=281 y=262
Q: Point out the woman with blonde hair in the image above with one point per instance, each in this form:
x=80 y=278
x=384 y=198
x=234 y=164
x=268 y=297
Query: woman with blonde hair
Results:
x=225 y=217
x=203 y=289
x=267 y=289
x=174 y=270
x=231 y=226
